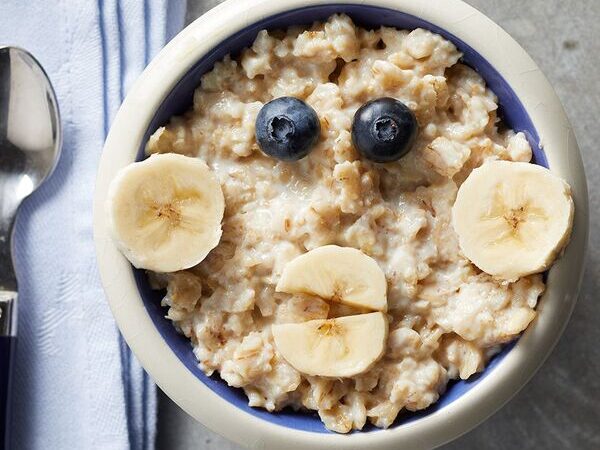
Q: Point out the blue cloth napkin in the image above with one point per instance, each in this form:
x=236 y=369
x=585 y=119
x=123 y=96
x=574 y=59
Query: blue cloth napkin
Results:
x=76 y=384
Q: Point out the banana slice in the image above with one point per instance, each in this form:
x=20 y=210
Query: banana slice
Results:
x=341 y=347
x=165 y=212
x=512 y=218
x=339 y=274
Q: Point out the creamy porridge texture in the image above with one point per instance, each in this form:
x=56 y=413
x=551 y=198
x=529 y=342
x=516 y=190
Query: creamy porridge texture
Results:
x=446 y=317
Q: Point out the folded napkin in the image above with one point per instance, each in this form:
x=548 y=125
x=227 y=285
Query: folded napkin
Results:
x=76 y=384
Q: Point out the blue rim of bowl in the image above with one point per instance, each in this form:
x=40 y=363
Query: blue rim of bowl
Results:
x=510 y=110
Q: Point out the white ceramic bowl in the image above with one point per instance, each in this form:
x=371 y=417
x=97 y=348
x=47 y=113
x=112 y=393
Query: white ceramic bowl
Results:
x=166 y=86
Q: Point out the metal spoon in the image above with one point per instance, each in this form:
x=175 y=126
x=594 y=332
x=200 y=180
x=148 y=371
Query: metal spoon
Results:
x=30 y=143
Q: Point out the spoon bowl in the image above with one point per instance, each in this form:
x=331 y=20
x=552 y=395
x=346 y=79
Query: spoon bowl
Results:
x=30 y=133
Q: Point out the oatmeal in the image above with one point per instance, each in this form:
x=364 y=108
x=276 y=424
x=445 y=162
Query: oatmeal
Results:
x=446 y=317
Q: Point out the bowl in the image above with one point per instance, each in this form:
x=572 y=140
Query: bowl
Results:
x=527 y=103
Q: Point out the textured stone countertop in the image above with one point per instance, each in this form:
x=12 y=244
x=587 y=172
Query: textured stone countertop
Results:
x=560 y=407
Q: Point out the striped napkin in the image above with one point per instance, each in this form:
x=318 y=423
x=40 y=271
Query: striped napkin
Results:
x=76 y=384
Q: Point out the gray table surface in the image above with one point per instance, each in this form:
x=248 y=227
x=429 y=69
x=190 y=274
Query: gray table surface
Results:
x=560 y=407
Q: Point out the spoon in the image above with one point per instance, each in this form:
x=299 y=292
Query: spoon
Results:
x=30 y=143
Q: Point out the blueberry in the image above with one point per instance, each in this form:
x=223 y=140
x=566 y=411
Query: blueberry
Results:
x=384 y=130
x=287 y=128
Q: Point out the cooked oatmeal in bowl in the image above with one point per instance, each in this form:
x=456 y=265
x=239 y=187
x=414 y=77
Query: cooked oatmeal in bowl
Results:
x=306 y=241
x=326 y=232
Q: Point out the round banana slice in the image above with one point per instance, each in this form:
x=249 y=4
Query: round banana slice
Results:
x=341 y=347
x=165 y=212
x=512 y=218
x=338 y=274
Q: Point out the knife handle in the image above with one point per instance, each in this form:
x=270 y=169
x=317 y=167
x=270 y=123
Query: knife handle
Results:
x=7 y=350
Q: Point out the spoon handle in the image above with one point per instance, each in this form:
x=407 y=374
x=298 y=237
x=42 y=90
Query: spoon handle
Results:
x=7 y=347
x=8 y=340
